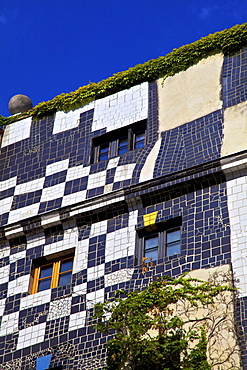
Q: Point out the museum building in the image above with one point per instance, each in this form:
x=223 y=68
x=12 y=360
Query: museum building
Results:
x=156 y=170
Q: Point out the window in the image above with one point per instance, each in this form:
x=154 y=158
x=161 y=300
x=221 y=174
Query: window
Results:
x=161 y=242
x=52 y=274
x=119 y=142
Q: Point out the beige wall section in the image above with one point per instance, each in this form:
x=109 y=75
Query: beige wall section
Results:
x=190 y=94
x=223 y=352
x=235 y=129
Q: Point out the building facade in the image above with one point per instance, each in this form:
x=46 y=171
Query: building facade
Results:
x=156 y=170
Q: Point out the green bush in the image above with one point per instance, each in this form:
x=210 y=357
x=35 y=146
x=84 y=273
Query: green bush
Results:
x=227 y=41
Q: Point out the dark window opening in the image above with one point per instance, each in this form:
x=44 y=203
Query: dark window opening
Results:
x=163 y=240
x=119 y=142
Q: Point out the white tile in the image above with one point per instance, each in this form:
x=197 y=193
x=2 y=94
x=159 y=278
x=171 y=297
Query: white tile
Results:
x=17 y=131
x=112 y=163
x=4 y=274
x=50 y=219
x=77 y=320
x=74 y=198
x=95 y=272
x=80 y=289
x=57 y=167
x=32 y=335
x=96 y=180
x=24 y=212
x=29 y=186
x=36 y=299
x=13 y=231
x=67 y=120
x=35 y=240
x=7 y=184
x=19 y=285
x=57 y=247
x=121 y=109
x=124 y=172
x=17 y=256
x=9 y=324
x=5 y=205
x=2 y=306
x=81 y=256
x=77 y=172
x=94 y=297
x=53 y=192
x=4 y=251
x=98 y=228
x=108 y=188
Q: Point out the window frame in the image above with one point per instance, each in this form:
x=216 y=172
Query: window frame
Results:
x=161 y=231
x=113 y=139
x=56 y=273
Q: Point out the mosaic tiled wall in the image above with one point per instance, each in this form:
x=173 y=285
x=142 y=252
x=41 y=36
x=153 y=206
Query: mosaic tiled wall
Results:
x=55 y=202
x=105 y=260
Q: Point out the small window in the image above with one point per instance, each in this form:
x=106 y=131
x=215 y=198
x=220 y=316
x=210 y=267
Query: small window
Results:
x=103 y=152
x=172 y=242
x=139 y=139
x=52 y=274
x=119 y=142
x=123 y=146
x=164 y=240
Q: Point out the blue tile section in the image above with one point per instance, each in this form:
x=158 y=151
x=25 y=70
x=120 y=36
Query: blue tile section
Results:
x=42 y=363
x=189 y=145
x=234 y=79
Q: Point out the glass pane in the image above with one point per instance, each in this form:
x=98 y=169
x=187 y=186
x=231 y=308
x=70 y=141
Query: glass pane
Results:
x=44 y=284
x=103 y=151
x=64 y=278
x=151 y=254
x=45 y=271
x=140 y=136
x=151 y=242
x=139 y=140
x=122 y=150
x=173 y=236
x=139 y=144
x=123 y=145
x=66 y=265
x=173 y=248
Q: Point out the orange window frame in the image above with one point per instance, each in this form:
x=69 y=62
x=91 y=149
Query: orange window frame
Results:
x=56 y=273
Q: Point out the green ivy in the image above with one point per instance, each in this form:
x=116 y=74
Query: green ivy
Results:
x=176 y=346
x=227 y=41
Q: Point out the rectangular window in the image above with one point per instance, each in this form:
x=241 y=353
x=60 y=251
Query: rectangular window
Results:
x=52 y=274
x=123 y=146
x=172 y=242
x=103 y=152
x=139 y=139
x=164 y=240
x=118 y=142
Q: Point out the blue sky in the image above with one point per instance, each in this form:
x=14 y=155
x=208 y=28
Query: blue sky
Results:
x=54 y=46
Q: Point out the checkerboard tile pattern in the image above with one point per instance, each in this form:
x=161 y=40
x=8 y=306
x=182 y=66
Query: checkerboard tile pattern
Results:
x=55 y=202
x=59 y=171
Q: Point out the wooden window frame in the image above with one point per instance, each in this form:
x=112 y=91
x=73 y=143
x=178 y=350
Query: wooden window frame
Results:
x=56 y=273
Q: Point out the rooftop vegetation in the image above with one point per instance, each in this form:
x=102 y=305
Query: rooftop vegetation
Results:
x=227 y=41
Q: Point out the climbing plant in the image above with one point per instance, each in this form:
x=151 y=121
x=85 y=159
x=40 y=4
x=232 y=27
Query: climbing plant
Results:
x=227 y=41
x=161 y=327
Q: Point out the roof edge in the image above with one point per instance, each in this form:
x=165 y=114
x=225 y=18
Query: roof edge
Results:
x=228 y=41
